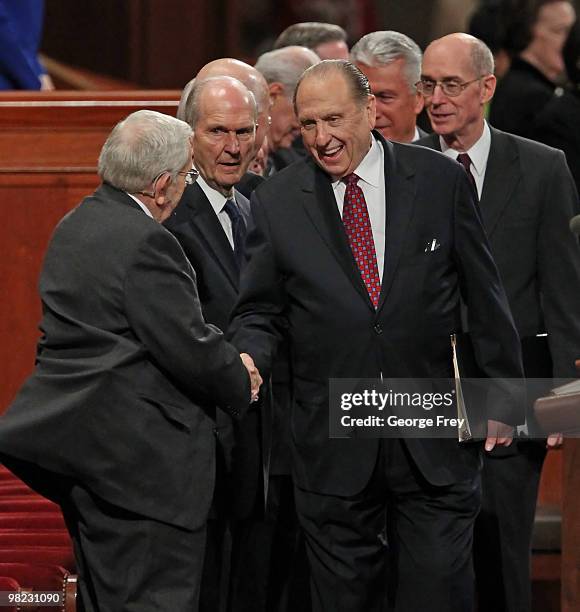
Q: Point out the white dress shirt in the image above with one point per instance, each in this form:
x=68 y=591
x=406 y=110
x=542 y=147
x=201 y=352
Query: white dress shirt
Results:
x=371 y=172
x=218 y=201
x=141 y=205
x=478 y=154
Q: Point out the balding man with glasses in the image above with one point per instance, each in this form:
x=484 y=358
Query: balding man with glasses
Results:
x=526 y=199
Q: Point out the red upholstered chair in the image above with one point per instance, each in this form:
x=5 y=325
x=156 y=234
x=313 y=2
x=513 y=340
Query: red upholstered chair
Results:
x=48 y=555
x=13 y=538
x=32 y=520
x=26 y=503
x=39 y=577
x=8 y=584
x=35 y=548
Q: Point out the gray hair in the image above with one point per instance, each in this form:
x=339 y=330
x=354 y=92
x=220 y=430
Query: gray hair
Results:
x=310 y=34
x=193 y=99
x=481 y=58
x=356 y=80
x=383 y=47
x=180 y=114
x=286 y=65
x=141 y=147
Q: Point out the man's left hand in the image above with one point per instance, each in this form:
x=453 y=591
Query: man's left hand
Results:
x=498 y=434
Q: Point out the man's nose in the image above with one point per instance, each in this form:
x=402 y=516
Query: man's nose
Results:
x=438 y=97
x=322 y=135
x=232 y=143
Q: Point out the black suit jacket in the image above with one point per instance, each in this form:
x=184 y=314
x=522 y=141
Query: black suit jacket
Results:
x=127 y=376
x=196 y=226
x=521 y=94
x=300 y=272
x=558 y=125
x=526 y=204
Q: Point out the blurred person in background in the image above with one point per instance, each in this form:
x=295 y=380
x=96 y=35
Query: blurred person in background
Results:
x=488 y=23
x=391 y=62
x=541 y=28
x=282 y=68
x=558 y=125
x=327 y=40
x=20 y=37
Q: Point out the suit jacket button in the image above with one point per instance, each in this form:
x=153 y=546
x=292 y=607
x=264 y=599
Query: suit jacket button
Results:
x=378 y=329
x=216 y=432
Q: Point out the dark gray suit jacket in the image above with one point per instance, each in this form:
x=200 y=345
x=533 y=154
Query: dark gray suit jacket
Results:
x=122 y=397
x=527 y=201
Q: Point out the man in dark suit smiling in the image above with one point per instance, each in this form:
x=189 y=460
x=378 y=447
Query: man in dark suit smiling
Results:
x=336 y=253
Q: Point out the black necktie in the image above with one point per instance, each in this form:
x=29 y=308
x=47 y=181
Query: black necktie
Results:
x=238 y=229
x=465 y=161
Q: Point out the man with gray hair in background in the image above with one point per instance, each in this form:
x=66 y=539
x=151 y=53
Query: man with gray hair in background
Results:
x=282 y=68
x=391 y=62
x=116 y=422
x=327 y=40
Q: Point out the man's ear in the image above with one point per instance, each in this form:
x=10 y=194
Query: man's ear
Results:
x=161 y=188
x=489 y=82
x=276 y=90
x=419 y=103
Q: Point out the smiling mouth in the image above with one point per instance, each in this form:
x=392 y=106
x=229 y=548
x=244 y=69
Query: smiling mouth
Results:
x=331 y=154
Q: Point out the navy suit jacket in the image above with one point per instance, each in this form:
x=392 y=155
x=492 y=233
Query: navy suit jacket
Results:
x=197 y=227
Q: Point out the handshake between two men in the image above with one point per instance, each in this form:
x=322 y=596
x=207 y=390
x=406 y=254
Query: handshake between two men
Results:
x=255 y=378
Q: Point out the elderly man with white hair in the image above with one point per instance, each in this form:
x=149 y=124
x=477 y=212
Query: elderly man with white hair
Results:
x=116 y=422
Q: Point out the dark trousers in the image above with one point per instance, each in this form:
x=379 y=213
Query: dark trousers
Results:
x=129 y=563
x=257 y=564
x=503 y=530
x=269 y=566
x=430 y=536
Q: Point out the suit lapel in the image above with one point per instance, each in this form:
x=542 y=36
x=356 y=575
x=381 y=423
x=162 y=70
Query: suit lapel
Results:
x=320 y=205
x=400 y=202
x=204 y=221
x=502 y=176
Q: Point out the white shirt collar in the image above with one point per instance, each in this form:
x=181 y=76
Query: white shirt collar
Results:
x=369 y=170
x=216 y=199
x=478 y=153
x=141 y=205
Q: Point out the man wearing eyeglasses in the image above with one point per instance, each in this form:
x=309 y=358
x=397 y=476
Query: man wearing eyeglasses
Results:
x=526 y=199
x=116 y=422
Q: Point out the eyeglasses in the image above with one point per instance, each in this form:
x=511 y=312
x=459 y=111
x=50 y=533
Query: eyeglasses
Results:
x=190 y=176
x=449 y=88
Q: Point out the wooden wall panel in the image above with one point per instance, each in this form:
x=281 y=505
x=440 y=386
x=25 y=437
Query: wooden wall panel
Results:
x=49 y=146
x=32 y=203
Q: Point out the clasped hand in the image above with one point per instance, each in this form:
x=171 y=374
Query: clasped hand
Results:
x=254 y=373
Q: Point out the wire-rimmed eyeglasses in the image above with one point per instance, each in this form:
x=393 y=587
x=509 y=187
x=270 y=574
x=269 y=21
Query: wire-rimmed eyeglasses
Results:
x=451 y=88
x=190 y=178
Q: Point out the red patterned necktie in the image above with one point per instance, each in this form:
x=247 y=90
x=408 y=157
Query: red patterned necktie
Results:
x=357 y=224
